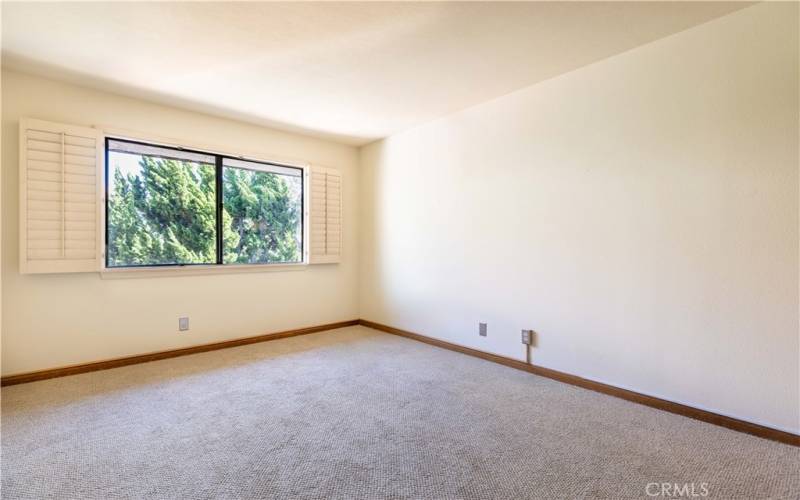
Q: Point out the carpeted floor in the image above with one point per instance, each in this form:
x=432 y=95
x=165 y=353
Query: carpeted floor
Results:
x=355 y=413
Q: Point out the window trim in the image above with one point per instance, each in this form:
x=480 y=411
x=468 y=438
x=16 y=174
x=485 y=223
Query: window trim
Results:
x=156 y=270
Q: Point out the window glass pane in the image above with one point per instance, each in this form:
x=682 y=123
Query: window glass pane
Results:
x=161 y=206
x=262 y=213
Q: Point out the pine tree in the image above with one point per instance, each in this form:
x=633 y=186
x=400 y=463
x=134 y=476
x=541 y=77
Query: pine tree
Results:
x=265 y=216
x=166 y=214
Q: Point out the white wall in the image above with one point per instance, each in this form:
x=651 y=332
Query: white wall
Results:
x=56 y=320
x=641 y=214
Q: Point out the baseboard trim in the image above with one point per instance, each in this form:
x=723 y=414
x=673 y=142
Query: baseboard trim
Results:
x=23 y=378
x=643 y=399
x=651 y=401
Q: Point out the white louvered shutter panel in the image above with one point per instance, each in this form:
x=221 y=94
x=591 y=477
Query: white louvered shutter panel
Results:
x=326 y=216
x=60 y=197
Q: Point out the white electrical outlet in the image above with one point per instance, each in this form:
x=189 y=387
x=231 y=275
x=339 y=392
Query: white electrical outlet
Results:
x=482 y=329
x=183 y=324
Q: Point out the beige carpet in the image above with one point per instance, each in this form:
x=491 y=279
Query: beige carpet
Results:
x=355 y=413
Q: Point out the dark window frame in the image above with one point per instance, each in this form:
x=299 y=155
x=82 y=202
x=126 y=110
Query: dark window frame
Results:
x=219 y=159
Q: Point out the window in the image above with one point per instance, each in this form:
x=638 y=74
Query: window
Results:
x=261 y=213
x=173 y=207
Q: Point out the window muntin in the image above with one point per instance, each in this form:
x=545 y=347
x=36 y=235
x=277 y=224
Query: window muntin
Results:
x=173 y=207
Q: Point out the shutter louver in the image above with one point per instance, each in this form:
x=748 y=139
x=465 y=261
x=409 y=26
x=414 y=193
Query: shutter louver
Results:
x=326 y=216
x=60 y=188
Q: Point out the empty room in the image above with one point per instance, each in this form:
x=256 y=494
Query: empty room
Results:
x=400 y=250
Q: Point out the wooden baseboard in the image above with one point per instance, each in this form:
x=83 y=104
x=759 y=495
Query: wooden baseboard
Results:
x=661 y=404
x=23 y=378
x=653 y=402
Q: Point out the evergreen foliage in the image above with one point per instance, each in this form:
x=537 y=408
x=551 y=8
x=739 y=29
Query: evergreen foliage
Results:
x=166 y=214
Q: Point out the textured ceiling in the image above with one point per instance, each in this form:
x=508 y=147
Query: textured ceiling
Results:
x=353 y=72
